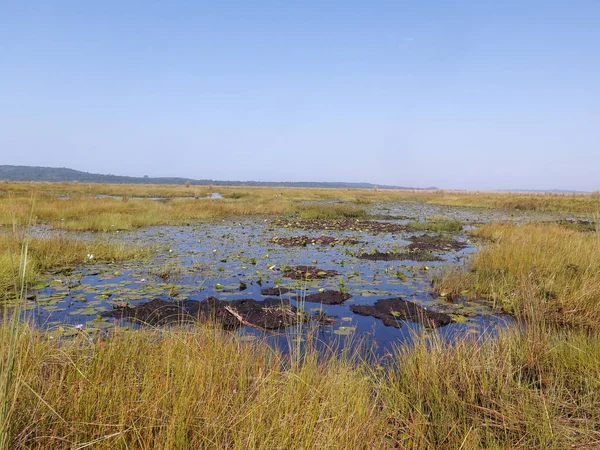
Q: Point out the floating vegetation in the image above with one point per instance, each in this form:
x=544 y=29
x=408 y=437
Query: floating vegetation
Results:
x=308 y=272
x=344 y=331
x=303 y=241
x=409 y=255
x=358 y=225
x=448 y=226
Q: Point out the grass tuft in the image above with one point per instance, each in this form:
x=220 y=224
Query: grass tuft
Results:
x=329 y=212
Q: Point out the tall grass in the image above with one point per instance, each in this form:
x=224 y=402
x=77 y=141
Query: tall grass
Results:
x=107 y=214
x=81 y=210
x=325 y=211
x=33 y=256
x=182 y=389
x=9 y=341
x=530 y=387
x=449 y=226
x=542 y=267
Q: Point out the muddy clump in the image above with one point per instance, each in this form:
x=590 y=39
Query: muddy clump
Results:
x=328 y=297
x=304 y=241
x=391 y=310
x=268 y=292
x=308 y=272
x=270 y=314
x=437 y=243
x=371 y=226
x=409 y=255
x=154 y=312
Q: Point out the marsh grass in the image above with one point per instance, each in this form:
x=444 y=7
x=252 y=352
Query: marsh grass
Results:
x=329 y=212
x=108 y=214
x=10 y=383
x=530 y=387
x=169 y=272
x=549 y=268
x=184 y=389
x=179 y=388
x=54 y=253
x=596 y=219
x=441 y=226
x=76 y=206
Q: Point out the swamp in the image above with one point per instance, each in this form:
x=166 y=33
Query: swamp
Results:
x=311 y=318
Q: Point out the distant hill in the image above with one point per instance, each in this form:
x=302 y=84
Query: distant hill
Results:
x=57 y=174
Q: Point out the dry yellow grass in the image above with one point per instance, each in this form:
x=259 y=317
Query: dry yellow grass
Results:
x=53 y=252
x=202 y=388
x=536 y=268
x=183 y=389
x=83 y=211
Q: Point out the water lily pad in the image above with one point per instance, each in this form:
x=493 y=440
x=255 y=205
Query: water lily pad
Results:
x=458 y=318
x=100 y=323
x=345 y=331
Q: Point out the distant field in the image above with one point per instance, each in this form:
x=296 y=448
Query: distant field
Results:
x=114 y=206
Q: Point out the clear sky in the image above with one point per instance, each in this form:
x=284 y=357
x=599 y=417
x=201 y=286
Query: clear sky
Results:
x=455 y=94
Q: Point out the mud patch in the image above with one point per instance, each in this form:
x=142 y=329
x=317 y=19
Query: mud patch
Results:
x=270 y=314
x=391 y=310
x=328 y=297
x=154 y=312
x=303 y=241
x=437 y=243
x=371 y=226
x=410 y=255
x=304 y=272
x=268 y=292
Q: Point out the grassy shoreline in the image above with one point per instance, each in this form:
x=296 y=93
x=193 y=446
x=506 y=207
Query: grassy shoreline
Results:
x=528 y=269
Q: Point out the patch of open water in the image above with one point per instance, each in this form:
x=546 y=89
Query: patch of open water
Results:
x=219 y=258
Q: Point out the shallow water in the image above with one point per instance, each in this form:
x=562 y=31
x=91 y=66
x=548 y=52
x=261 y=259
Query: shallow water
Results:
x=213 y=259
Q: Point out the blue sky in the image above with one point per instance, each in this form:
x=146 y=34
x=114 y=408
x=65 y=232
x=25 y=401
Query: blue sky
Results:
x=455 y=94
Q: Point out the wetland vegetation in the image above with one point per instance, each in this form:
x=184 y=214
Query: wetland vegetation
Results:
x=141 y=316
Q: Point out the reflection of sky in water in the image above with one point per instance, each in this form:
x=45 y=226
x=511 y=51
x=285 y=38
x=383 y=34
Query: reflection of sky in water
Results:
x=227 y=252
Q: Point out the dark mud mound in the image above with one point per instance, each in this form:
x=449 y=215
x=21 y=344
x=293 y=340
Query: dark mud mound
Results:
x=410 y=255
x=269 y=292
x=307 y=272
x=428 y=243
x=392 y=310
x=303 y=241
x=154 y=312
x=328 y=297
x=270 y=314
x=371 y=226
